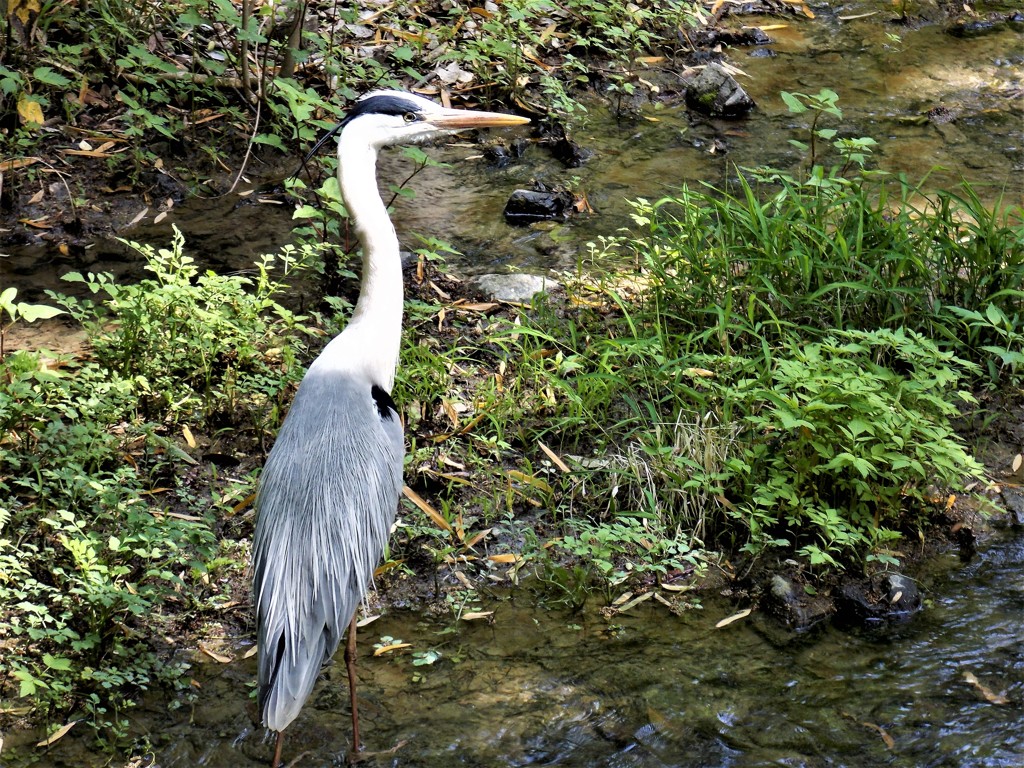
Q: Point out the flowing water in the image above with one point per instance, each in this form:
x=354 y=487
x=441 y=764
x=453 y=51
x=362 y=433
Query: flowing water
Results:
x=651 y=689
x=889 y=77
x=647 y=690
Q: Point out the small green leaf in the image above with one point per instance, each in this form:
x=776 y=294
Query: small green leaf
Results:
x=793 y=103
x=56 y=662
x=995 y=315
x=270 y=140
x=32 y=312
x=48 y=76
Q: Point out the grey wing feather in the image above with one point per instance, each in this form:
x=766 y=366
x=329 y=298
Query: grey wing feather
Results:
x=326 y=503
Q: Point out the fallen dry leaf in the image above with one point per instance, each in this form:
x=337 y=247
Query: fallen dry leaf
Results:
x=57 y=735
x=21 y=162
x=536 y=482
x=662 y=600
x=485 y=306
x=991 y=697
x=218 y=657
x=506 y=557
x=389 y=648
x=677 y=587
x=554 y=457
x=36 y=223
x=702 y=373
x=622 y=599
x=428 y=510
x=30 y=111
x=735 y=617
x=890 y=743
x=477 y=538
x=636 y=601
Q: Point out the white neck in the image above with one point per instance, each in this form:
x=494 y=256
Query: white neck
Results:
x=372 y=339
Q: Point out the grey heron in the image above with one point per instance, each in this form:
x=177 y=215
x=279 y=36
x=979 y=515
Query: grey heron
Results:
x=330 y=486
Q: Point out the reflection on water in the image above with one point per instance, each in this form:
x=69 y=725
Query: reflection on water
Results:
x=652 y=690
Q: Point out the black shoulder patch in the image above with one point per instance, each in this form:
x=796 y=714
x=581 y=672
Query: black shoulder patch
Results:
x=386 y=407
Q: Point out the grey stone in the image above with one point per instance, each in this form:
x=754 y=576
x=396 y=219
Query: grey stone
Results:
x=519 y=287
x=716 y=93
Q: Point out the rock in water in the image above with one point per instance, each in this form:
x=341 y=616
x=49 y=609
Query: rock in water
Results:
x=716 y=93
x=526 y=206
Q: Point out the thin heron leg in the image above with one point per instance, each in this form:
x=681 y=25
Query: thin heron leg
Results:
x=277 y=750
x=350 y=665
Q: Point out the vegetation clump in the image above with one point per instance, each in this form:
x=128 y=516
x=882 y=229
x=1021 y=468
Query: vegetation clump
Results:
x=108 y=528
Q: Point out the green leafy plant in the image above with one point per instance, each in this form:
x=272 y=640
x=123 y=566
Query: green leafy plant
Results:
x=850 y=437
x=101 y=539
x=16 y=311
x=86 y=559
x=194 y=342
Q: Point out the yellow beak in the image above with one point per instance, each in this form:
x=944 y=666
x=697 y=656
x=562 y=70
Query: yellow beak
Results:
x=461 y=119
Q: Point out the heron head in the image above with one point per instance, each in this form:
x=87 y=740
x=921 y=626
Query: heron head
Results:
x=397 y=117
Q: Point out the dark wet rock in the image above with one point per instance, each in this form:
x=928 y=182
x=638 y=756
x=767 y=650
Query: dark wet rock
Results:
x=700 y=58
x=222 y=460
x=940 y=115
x=564 y=149
x=161 y=186
x=902 y=593
x=854 y=605
x=995 y=22
x=883 y=599
x=517 y=287
x=715 y=93
x=972 y=28
x=718 y=147
x=526 y=206
x=709 y=38
x=966 y=541
x=762 y=53
x=501 y=155
x=1014 y=500
x=789 y=602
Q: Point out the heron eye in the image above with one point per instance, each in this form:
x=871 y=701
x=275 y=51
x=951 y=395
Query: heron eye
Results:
x=410 y=117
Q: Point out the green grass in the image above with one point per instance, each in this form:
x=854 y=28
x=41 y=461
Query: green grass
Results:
x=781 y=373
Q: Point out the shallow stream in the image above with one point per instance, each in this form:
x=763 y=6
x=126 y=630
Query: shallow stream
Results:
x=647 y=690
x=889 y=77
